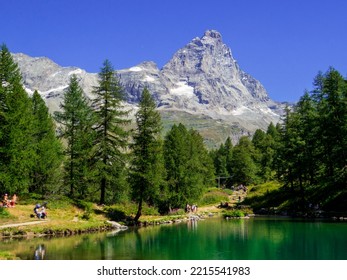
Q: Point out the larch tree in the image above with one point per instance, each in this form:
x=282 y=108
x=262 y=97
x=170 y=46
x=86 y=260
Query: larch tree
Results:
x=16 y=128
x=76 y=120
x=111 y=137
x=147 y=167
x=47 y=147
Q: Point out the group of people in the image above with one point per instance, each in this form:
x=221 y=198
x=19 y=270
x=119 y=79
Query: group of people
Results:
x=239 y=188
x=6 y=202
x=40 y=211
x=191 y=208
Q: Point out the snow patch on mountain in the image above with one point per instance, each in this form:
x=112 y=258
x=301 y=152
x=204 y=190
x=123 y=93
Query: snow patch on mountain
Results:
x=182 y=89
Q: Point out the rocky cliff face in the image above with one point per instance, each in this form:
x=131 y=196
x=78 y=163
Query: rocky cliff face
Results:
x=202 y=83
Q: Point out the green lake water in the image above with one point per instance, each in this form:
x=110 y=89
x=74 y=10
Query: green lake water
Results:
x=210 y=239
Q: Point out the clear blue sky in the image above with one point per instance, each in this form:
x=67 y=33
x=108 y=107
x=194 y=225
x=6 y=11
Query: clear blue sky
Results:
x=281 y=43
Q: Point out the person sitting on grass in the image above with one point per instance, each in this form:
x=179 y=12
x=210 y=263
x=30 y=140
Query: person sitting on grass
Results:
x=40 y=211
x=37 y=210
x=5 y=201
x=13 y=200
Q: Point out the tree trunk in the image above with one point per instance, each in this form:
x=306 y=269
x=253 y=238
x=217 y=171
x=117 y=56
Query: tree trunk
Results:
x=139 y=211
x=102 y=190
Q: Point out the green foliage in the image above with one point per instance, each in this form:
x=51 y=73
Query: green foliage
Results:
x=4 y=214
x=76 y=121
x=86 y=206
x=111 y=138
x=312 y=151
x=147 y=168
x=263 y=189
x=270 y=195
x=214 y=196
x=264 y=145
x=242 y=163
x=307 y=151
x=48 y=149
x=189 y=167
x=8 y=256
x=233 y=214
x=122 y=211
x=56 y=202
x=16 y=128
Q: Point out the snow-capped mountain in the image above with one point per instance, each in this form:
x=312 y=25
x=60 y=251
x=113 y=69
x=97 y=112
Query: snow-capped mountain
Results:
x=201 y=86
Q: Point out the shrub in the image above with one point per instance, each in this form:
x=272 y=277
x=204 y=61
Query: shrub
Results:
x=233 y=214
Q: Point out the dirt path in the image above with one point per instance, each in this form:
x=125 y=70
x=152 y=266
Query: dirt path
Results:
x=22 y=224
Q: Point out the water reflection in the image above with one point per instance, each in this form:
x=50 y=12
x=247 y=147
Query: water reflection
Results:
x=40 y=252
x=192 y=224
x=203 y=239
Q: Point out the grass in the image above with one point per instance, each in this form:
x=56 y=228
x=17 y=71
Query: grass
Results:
x=67 y=215
x=215 y=196
x=63 y=215
x=266 y=195
x=4 y=214
x=127 y=211
x=7 y=256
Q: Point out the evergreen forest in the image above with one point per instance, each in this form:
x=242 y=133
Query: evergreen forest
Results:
x=91 y=151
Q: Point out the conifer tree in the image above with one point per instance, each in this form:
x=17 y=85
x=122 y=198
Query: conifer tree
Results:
x=265 y=149
x=243 y=165
x=111 y=139
x=312 y=150
x=76 y=119
x=147 y=168
x=222 y=162
x=47 y=147
x=176 y=154
x=16 y=128
x=189 y=168
x=332 y=112
x=228 y=145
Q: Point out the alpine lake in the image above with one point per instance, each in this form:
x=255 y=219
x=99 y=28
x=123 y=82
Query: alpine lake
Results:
x=258 y=238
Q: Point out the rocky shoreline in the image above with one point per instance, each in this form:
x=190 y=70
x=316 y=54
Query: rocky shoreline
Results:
x=20 y=233
x=12 y=232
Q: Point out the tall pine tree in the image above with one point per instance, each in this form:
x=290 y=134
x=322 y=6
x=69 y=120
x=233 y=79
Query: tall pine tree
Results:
x=16 y=128
x=111 y=139
x=76 y=119
x=147 y=168
x=47 y=147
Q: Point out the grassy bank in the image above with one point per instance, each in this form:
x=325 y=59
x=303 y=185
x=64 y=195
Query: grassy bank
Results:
x=68 y=217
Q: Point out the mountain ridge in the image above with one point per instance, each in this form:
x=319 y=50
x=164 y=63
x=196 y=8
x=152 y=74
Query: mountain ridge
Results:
x=202 y=80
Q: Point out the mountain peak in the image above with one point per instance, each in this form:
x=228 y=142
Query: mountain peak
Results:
x=212 y=34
